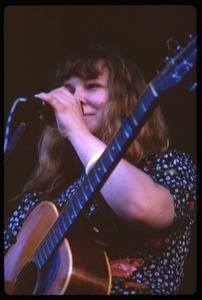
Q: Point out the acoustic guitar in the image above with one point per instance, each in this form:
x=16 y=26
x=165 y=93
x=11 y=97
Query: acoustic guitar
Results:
x=43 y=261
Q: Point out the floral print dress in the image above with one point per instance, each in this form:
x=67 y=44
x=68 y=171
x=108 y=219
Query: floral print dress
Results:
x=141 y=263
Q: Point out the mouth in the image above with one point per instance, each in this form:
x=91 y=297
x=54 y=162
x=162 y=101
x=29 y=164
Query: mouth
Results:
x=87 y=115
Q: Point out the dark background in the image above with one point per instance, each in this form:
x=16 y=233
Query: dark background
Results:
x=37 y=37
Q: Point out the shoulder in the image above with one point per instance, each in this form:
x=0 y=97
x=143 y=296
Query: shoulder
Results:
x=172 y=168
x=176 y=171
x=173 y=158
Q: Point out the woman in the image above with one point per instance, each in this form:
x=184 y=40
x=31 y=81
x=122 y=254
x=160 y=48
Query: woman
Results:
x=145 y=209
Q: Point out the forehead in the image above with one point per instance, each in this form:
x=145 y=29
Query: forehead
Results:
x=82 y=67
x=102 y=69
x=88 y=69
x=102 y=76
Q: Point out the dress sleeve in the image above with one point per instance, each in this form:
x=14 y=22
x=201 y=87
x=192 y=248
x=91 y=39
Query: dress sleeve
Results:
x=176 y=171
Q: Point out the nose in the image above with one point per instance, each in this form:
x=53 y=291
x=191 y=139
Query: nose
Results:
x=80 y=95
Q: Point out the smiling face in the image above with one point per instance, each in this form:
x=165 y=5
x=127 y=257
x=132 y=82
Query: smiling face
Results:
x=93 y=95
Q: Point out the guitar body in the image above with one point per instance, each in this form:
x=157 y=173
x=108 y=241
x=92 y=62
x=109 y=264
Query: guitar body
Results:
x=74 y=268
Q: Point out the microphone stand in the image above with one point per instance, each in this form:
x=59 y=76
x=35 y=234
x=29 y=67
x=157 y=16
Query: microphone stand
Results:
x=13 y=141
x=45 y=110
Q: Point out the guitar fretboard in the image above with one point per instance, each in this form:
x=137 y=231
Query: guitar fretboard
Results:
x=96 y=177
x=173 y=72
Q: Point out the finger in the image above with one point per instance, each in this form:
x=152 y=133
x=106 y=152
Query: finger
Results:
x=55 y=97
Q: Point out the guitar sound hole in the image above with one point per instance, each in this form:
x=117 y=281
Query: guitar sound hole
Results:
x=26 y=280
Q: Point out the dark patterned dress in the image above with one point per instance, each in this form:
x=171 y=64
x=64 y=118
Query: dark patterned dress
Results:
x=141 y=263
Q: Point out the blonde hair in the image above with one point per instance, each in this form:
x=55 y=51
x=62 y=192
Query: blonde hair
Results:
x=126 y=83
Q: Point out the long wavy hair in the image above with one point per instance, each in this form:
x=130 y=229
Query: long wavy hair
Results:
x=58 y=163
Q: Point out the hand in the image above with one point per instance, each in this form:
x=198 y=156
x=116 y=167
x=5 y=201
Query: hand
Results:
x=68 y=110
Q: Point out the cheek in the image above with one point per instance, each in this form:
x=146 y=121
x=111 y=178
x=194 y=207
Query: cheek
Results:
x=103 y=99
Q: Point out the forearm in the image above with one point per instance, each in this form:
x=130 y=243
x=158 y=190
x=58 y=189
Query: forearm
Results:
x=131 y=193
x=137 y=199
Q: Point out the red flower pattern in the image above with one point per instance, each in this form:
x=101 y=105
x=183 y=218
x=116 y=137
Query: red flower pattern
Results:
x=136 y=285
x=156 y=243
x=125 y=267
x=192 y=205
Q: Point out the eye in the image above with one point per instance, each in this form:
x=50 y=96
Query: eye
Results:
x=70 y=88
x=92 y=85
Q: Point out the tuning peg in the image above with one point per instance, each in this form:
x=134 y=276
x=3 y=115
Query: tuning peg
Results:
x=173 y=45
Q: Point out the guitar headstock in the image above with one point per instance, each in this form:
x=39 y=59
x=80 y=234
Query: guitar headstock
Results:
x=177 y=66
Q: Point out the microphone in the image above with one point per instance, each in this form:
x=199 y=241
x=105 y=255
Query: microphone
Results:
x=28 y=112
x=34 y=104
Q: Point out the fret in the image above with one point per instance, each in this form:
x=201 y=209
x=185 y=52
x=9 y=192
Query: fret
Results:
x=85 y=196
x=49 y=247
x=134 y=120
x=142 y=109
x=143 y=106
x=45 y=253
x=40 y=261
x=72 y=208
x=69 y=219
x=72 y=217
x=126 y=132
x=78 y=202
x=97 y=176
x=103 y=166
x=106 y=160
x=63 y=223
x=110 y=156
x=90 y=184
x=55 y=232
x=52 y=236
x=118 y=144
x=59 y=229
x=84 y=187
x=77 y=208
x=153 y=90
x=52 y=244
x=37 y=261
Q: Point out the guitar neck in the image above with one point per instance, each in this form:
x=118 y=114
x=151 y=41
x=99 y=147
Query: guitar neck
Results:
x=96 y=177
x=174 y=71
